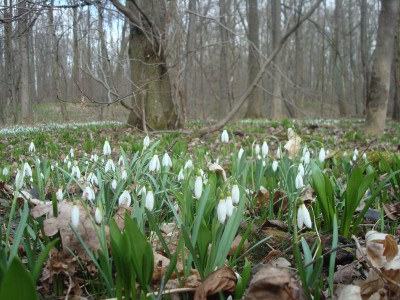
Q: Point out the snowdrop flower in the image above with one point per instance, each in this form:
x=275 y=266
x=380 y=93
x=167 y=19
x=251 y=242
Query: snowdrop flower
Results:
x=229 y=205
x=27 y=170
x=121 y=161
x=235 y=193
x=188 y=164
x=301 y=169
x=240 y=153
x=75 y=171
x=180 y=175
x=275 y=165
x=5 y=171
x=109 y=166
x=257 y=149
x=19 y=179
x=279 y=153
x=125 y=199
x=224 y=137
x=345 y=154
x=321 y=155
x=124 y=174
x=88 y=194
x=149 y=199
x=114 y=184
x=41 y=175
x=142 y=191
x=306 y=158
x=74 y=216
x=356 y=152
x=154 y=165
x=221 y=209
x=198 y=185
x=98 y=215
x=299 y=181
x=166 y=161
x=94 y=157
x=92 y=179
x=71 y=152
x=146 y=142
x=354 y=156
x=106 y=148
x=32 y=147
x=69 y=165
x=364 y=156
x=264 y=149
x=303 y=217
x=59 y=194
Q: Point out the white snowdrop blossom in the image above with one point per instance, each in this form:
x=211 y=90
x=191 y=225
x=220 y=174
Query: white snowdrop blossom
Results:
x=76 y=172
x=166 y=161
x=121 y=161
x=188 y=164
x=240 y=153
x=69 y=165
x=19 y=179
x=354 y=156
x=303 y=217
x=264 y=149
x=5 y=171
x=41 y=175
x=110 y=166
x=224 y=137
x=106 y=148
x=114 y=184
x=149 y=200
x=124 y=174
x=364 y=156
x=275 y=165
x=301 y=169
x=27 y=170
x=235 y=193
x=258 y=157
x=98 y=215
x=59 y=194
x=146 y=142
x=71 y=152
x=125 y=199
x=94 y=157
x=229 y=205
x=142 y=191
x=92 y=179
x=221 y=210
x=154 y=165
x=74 y=216
x=279 y=153
x=180 y=175
x=88 y=194
x=32 y=147
x=299 y=181
x=356 y=152
x=198 y=186
x=257 y=149
x=321 y=156
x=306 y=158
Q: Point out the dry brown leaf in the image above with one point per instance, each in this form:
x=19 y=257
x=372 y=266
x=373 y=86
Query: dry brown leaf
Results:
x=221 y=280
x=381 y=248
x=86 y=228
x=272 y=283
x=392 y=211
x=293 y=144
x=235 y=245
x=347 y=292
x=217 y=168
x=344 y=274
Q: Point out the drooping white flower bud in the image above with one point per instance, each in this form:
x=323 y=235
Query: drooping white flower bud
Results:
x=303 y=217
x=188 y=164
x=257 y=149
x=27 y=170
x=198 y=186
x=113 y=184
x=146 y=142
x=275 y=165
x=149 y=199
x=264 y=149
x=240 y=153
x=229 y=205
x=32 y=147
x=221 y=209
x=19 y=179
x=125 y=199
x=180 y=175
x=306 y=158
x=166 y=161
x=235 y=193
x=321 y=155
x=299 y=181
x=154 y=165
x=301 y=169
x=124 y=174
x=74 y=216
x=59 y=194
x=98 y=215
x=106 y=148
x=110 y=166
x=224 y=137
x=88 y=194
x=5 y=171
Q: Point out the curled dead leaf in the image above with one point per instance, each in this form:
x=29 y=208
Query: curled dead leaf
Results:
x=221 y=280
x=293 y=144
x=217 y=168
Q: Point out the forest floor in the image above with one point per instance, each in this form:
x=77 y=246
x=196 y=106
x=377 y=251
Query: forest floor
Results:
x=260 y=254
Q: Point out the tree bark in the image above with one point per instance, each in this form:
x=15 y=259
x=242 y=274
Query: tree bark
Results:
x=396 y=74
x=23 y=31
x=254 y=103
x=378 y=94
x=76 y=55
x=148 y=62
x=55 y=67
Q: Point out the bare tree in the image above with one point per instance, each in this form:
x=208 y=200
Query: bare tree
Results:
x=378 y=93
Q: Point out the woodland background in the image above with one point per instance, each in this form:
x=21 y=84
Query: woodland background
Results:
x=198 y=58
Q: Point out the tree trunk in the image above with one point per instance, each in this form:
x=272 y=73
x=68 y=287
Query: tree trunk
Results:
x=9 y=66
x=148 y=63
x=254 y=106
x=76 y=55
x=396 y=74
x=377 y=97
x=277 y=104
x=27 y=117
x=55 y=67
